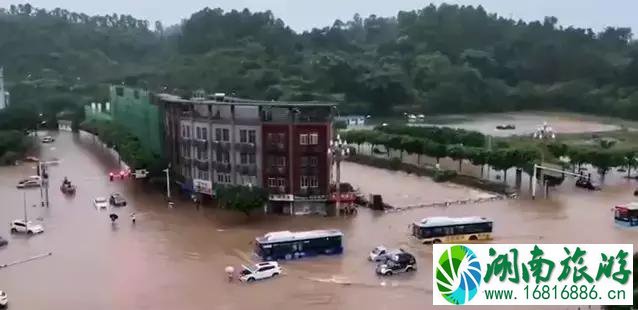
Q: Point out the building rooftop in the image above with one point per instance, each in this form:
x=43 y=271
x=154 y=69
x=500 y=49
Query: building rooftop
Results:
x=222 y=99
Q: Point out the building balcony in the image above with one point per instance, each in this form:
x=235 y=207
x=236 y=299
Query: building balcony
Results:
x=187 y=161
x=309 y=170
x=246 y=147
x=222 y=145
x=202 y=164
x=276 y=147
x=274 y=171
x=279 y=190
x=222 y=167
x=200 y=143
x=247 y=169
x=311 y=149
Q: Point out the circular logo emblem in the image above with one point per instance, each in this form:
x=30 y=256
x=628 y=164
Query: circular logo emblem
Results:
x=458 y=275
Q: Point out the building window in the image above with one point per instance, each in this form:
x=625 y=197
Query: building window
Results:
x=119 y=91
x=281 y=182
x=247 y=158
x=303 y=139
x=280 y=161
x=248 y=180
x=136 y=94
x=188 y=131
x=204 y=133
x=218 y=134
x=226 y=134
x=186 y=171
x=186 y=150
x=281 y=138
x=202 y=154
x=222 y=156
x=202 y=174
x=252 y=136
x=309 y=181
x=314 y=139
x=198 y=132
x=223 y=178
x=304 y=161
x=314 y=161
x=243 y=136
x=272 y=182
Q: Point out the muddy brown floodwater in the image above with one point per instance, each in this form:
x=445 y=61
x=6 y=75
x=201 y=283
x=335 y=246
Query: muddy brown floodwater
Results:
x=174 y=258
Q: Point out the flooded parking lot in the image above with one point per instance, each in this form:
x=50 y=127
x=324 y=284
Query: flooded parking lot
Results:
x=525 y=123
x=174 y=258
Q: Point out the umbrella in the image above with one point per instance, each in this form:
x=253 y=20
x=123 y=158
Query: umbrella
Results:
x=113 y=217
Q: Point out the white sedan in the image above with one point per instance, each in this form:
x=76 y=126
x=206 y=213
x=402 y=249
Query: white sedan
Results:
x=260 y=271
x=100 y=203
x=28 y=227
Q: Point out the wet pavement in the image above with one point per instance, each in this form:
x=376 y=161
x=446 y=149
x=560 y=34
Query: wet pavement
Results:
x=174 y=258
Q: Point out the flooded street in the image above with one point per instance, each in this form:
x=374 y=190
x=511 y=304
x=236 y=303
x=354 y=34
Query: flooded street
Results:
x=174 y=258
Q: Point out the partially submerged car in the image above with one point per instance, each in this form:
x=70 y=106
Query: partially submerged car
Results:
x=587 y=184
x=261 y=271
x=19 y=226
x=397 y=263
x=381 y=253
x=32 y=181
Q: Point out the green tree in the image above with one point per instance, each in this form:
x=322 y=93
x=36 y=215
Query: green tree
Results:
x=241 y=198
x=457 y=152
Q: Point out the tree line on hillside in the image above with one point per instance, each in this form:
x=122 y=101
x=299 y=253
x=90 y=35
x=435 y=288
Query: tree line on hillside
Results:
x=438 y=59
x=426 y=141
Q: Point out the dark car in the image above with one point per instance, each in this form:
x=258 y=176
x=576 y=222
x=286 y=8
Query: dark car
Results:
x=587 y=184
x=397 y=263
x=117 y=200
x=3 y=242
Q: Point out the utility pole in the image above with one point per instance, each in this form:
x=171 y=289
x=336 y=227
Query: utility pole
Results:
x=40 y=174
x=24 y=205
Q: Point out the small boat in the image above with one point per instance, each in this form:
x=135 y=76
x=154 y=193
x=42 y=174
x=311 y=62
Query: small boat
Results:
x=68 y=189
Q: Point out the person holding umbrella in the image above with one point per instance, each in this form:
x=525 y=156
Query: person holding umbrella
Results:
x=113 y=217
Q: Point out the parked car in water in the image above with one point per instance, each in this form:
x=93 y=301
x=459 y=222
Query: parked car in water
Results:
x=381 y=253
x=3 y=242
x=397 y=263
x=260 y=271
x=100 y=203
x=19 y=226
x=4 y=299
x=117 y=200
x=506 y=127
x=32 y=181
x=587 y=184
x=48 y=139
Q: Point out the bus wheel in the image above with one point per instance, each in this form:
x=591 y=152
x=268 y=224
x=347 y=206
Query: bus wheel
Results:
x=473 y=238
x=436 y=241
x=288 y=257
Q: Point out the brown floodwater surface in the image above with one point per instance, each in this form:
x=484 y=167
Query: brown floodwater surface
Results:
x=175 y=258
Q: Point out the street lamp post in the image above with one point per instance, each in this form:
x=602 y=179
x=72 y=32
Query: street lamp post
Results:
x=168 y=182
x=339 y=150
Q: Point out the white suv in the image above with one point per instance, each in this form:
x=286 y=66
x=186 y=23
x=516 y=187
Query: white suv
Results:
x=260 y=271
x=28 y=227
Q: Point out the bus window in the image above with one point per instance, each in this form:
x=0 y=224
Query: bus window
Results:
x=459 y=230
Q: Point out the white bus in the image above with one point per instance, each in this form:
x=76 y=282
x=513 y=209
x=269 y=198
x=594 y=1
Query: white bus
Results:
x=450 y=229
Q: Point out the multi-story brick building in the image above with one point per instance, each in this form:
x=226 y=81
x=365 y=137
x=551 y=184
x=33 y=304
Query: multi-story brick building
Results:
x=280 y=146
